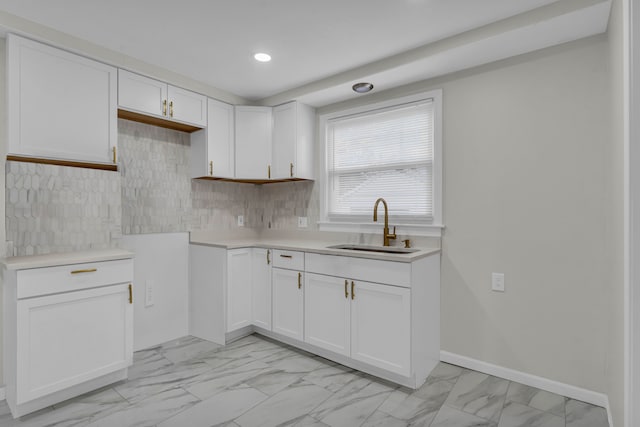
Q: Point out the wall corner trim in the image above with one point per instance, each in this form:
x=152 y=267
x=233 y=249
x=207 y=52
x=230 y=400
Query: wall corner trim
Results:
x=584 y=395
x=2 y=394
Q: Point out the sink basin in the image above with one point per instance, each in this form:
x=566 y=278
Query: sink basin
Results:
x=379 y=249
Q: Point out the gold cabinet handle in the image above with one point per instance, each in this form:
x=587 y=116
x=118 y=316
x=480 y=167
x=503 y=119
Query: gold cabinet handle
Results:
x=353 y=292
x=211 y=168
x=130 y=294
x=291 y=169
x=164 y=107
x=299 y=280
x=346 y=292
x=269 y=171
x=285 y=256
x=171 y=109
x=88 y=270
x=268 y=259
x=115 y=159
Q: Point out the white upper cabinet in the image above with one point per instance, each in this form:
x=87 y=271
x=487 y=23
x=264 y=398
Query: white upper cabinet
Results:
x=60 y=105
x=293 y=135
x=154 y=98
x=253 y=142
x=212 y=149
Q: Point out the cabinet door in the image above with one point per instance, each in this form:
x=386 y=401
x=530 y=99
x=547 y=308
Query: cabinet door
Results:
x=288 y=300
x=327 y=313
x=238 y=288
x=60 y=105
x=284 y=141
x=381 y=325
x=261 y=295
x=142 y=94
x=253 y=142
x=66 y=339
x=220 y=139
x=187 y=106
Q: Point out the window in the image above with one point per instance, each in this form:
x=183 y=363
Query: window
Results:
x=389 y=150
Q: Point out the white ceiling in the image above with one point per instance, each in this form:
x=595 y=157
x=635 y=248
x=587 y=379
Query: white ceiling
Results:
x=213 y=41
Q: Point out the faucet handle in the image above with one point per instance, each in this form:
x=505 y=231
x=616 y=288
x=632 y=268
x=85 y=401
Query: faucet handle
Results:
x=392 y=235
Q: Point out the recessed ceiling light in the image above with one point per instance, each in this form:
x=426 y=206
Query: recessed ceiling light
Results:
x=362 y=87
x=262 y=57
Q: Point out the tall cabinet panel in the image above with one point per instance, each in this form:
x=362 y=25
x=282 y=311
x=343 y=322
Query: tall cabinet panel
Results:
x=253 y=142
x=60 y=105
x=239 y=288
x=261 y=295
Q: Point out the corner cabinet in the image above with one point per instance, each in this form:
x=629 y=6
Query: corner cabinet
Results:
x=149 y=97
x=213 y=148
x=68 y=330
x=253 y=142
x=61 y=106
x=293 y=135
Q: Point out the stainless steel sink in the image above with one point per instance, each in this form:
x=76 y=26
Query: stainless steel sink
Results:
x=379 y=249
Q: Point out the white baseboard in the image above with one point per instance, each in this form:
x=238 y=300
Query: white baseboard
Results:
x=573 y=392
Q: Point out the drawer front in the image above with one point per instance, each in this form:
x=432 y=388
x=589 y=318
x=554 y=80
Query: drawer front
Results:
x=65 y=278
x=288 y=259
x=370 y=270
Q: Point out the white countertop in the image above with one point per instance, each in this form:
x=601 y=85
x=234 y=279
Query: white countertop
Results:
x=67 y=258
x=310 y=245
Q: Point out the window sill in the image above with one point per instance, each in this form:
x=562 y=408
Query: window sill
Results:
x=427 y=230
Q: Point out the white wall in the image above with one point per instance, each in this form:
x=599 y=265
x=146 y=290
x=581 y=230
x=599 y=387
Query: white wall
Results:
x=526 y=176
x=3 y=153
x=162 y=259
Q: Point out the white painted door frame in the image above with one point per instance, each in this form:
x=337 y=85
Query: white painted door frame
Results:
x=631 y=54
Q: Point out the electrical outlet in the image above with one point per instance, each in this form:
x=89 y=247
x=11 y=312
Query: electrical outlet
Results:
x=240 y=220
x=148 y=293
x=497 y=282
x=303 y=222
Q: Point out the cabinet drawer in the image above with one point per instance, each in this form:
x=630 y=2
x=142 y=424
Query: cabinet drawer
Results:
x=370 y=270
x=51 y=280
x=288 y=259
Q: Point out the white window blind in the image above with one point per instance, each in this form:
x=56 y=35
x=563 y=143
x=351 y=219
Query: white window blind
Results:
x=383 y=153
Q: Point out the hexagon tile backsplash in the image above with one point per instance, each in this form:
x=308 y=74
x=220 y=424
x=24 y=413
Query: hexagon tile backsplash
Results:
x=60 y=209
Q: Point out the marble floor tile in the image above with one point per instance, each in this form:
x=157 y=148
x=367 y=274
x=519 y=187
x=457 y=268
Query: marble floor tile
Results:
x=165 y=378
x=353 y=403
x=445 y=372
x=304 y=421
x=220 y=379
x=536 y=398
x=479 y=394
x=580 y=414
x=381 y=419
x=221 y=408
x=519 y=415
x=188 y=348
x=271 y=381
x=419 y=407
x=290 y=404
x=148 y=412
x=331 y=376
x=435 y=392
x=450 y=417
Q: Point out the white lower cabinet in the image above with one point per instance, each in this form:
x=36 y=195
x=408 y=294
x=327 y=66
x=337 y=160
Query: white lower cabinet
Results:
x=327 y=314
x=366 y=321
x=239 y=284
x=261 y=288
x=288 y=302
x=381 y=326
x=68 y=329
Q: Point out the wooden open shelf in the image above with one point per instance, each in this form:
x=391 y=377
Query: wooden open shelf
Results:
x=156 y=121
x=70 y=163
x=250 y=181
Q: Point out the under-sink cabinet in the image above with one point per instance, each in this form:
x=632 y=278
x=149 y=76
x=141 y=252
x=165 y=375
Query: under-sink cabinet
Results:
x=378 y=316
x=68 y=329
x=149 y=97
